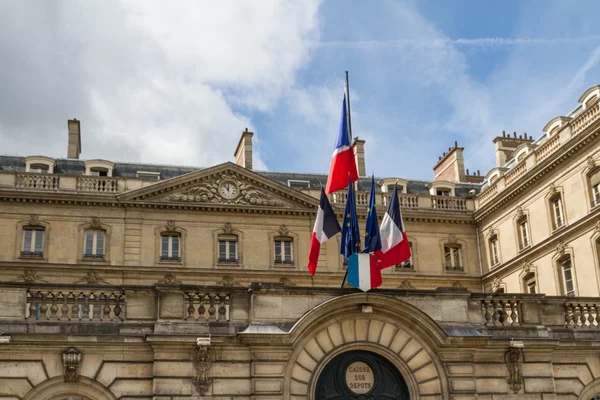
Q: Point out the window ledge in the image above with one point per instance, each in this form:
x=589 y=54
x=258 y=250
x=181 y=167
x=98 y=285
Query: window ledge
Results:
x=560 y=228
x=284 y=265
x=32 y=258
x=399 y=268
x=229 y=264
x=175 y=262
x=455 y=270
x=523 y=249
x=94 y=259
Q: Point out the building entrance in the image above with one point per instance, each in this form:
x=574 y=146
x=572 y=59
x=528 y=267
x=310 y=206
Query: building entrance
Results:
x=360 y=375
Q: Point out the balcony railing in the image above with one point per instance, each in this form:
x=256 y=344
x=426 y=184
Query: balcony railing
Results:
x=586 y=118
x=546 y=149
x=97 y=184
x=207 y=306
x=411 y=201
x=448 y=203
x=75 y=305
x=513 y=174
x=46 y=182
x=581 y=315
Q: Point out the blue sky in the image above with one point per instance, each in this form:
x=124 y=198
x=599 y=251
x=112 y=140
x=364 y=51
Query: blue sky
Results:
x=177 y=83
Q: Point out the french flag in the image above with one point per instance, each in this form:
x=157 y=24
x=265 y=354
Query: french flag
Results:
x=364 y=271
x=395 y=248
x=343 y=164
x=326 y=226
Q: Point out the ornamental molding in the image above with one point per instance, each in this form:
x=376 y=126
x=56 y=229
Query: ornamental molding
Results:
x=91 y=278
x=34 y=220
x=497 y=284
x=228 y=228
x=170 y=226
x=560 y=248
x=520 y=213
x=286 y=282
x=170 y=279
x=452 y=239
x=228 y=281
x=202 y=360
x=95 y=224
x=71 y=361
x=406 y=284
x=552 y=191
x=30 y=276
x=591 y=163
x=526 y=267
x=597 y=226
x=512 y=358
x=207 y=192
x=283 y=230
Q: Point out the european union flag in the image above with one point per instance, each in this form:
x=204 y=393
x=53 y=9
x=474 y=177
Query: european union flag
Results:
x=372 y=237
x=350 y=229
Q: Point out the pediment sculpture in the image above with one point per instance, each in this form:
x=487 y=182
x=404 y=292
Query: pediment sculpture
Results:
x=226 y=188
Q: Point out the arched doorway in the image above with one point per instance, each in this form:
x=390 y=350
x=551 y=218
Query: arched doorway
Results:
x=360 y=375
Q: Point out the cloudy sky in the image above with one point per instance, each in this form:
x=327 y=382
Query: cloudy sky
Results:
x=177 y=82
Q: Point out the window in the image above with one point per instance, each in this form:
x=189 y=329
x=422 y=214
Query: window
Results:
x=284 y=251
x=523 y=233
x=94 y=244
x=521 y=156
x=453 y=258
x=228 y=249
x=148 y=175
x=494 y=250
x=39 y=169
x=530 y=283
x=33 y=241
x=296 y=184
x=443 y=192
x=590 y=101
x=99 y=172
x=553 y=131
x=493 y=179
x=169 y=247
x=566 y=269
x=408 y=264
x=558 y=218
x=595 y=187
x=390 y=188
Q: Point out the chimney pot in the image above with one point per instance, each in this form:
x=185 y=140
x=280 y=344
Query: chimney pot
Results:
x=478 y=173
x=455 y=143
x=467 y=171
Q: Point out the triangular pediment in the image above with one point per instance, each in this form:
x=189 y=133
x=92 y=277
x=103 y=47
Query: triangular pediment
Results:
x=223 y=185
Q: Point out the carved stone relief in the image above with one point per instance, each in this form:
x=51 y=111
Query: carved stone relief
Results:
x=171 y=226
x=228 y=228
x=452 y=239
x=170 y=279
x=91 y=278
x=283 y=230
x=95 y=224
x=560 y=248
x=512 y=358
x=406 y=284
x=30 y=276
x=228 y=281
x=34 y=220
x=202 y=361
x=591 y=163
x=208 y=192
x=71 y=361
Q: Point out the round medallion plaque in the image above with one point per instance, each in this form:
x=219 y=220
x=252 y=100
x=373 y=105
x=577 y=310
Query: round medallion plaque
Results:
x=359 y=377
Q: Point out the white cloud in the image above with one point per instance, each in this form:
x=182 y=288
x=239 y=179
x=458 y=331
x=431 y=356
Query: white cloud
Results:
x=151 y=81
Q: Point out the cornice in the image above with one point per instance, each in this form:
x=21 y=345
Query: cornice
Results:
x=565 y=152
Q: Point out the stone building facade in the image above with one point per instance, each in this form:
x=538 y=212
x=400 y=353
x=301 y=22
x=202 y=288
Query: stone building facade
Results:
x=133 y=281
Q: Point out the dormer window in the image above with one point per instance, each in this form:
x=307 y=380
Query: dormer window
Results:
x=521 y=156
x=148 y=175
x=443 y=192
x=39 y=165
x=99 y=168
x=298 y=184
x=99 y=172
x=591 y=101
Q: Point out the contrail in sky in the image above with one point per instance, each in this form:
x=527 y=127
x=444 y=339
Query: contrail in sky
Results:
x=460 y=42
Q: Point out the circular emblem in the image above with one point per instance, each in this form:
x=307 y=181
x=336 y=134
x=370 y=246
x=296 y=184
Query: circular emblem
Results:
x=359 y=377
x=228 y=190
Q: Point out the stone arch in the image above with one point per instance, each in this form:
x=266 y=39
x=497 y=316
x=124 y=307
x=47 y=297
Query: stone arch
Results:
x=385 y=325
x=590 y=391
x=85 y=387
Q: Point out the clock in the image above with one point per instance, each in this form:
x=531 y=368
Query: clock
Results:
x=228 y=190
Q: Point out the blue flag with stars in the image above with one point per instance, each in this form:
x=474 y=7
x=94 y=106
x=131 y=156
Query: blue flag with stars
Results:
x=350 y=230
x=372 y=237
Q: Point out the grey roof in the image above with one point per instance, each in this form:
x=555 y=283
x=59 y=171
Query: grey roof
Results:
x=129 y=170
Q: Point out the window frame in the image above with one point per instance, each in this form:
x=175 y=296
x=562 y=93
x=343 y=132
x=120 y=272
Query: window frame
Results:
x=455 y=252
x=283 y=240
x=95 y=234
x=228 y=240
x=523 y=233
x=408 y=265
x=562 y=262
x=32 y=253
x=557 y=212
x=169 y=257
x=494 y=246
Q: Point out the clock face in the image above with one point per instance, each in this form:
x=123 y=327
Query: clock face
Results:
x=228 y=190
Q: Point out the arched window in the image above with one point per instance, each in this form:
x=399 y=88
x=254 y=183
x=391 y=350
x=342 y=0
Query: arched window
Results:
x=228 y=248
x=493 y=179
x=521 y=156
x=453 y=257
x=590 y=101
x=95 y=240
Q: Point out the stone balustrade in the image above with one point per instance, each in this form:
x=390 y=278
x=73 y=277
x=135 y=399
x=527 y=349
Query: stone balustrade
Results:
x=546 y=149
x=488 y=194
x=582 y=314
x=448 y=203
x=207 y=306
x=516 y=172
x=410 y=201
x=586 y=118
x=502 y=311
x=75 y=305
x=29 y=181
x=97 y=184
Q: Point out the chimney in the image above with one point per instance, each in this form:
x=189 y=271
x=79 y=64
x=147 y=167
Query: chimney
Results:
x=359 y=156
x=243 y=152
x=505 y=145
x=451 y=167
x=74 y=148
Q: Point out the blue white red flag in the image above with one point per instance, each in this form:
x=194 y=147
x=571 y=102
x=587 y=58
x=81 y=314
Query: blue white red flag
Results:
x=395 y=248
x=343 y=164
x=326 y=226
x=364 y=271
